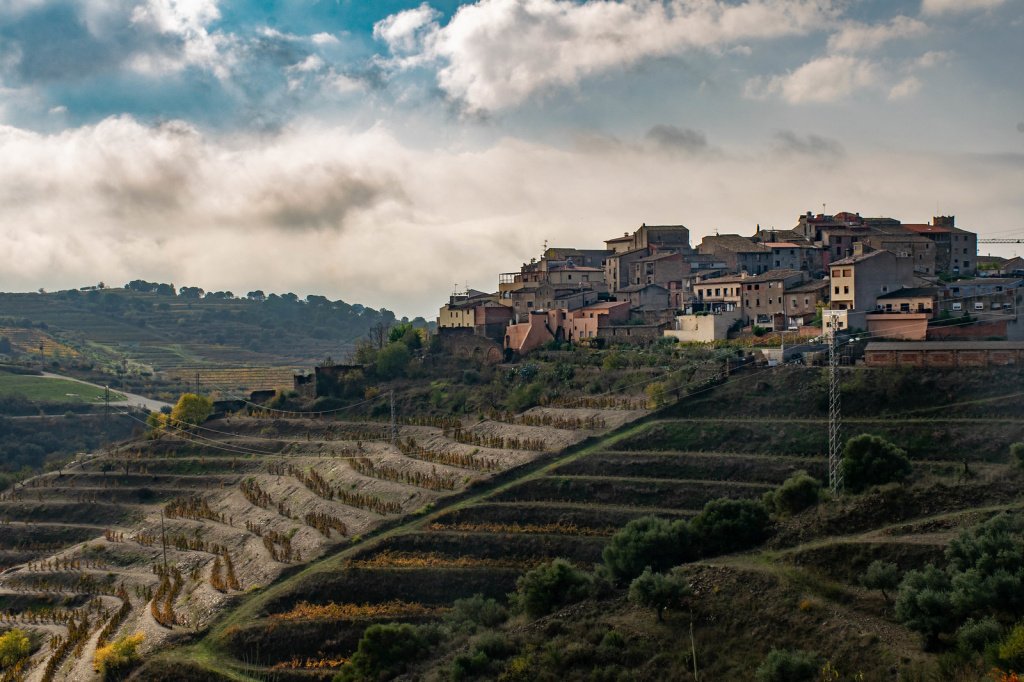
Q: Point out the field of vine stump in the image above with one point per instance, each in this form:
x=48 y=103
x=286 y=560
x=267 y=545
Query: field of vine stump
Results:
x=668 y=467
x=159 y=535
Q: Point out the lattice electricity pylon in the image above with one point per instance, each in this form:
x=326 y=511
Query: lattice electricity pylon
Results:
x=835 y=415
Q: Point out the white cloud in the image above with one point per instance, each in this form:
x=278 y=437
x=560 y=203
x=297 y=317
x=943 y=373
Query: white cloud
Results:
x=907 y=87
x=494 y=54
x=186 y=20
x=957 y=6
x=932 y=58
x=331 y=211
x=324 y=39
x=404 y=32
x=854 y=36
x=826 y=79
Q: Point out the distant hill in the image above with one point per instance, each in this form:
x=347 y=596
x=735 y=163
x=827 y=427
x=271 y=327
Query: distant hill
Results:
x=157 y=336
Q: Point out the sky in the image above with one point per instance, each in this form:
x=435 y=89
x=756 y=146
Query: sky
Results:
x=389 y=152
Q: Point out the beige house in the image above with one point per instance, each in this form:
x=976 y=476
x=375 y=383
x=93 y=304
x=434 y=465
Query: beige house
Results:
x=703 y=327
x=857 y=282
x=460 y=309
x=720 y=293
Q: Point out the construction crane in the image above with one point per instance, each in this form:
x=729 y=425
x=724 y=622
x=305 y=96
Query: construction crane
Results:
x=1001 y=241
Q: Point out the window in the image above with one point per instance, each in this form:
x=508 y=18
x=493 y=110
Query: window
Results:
x=794 y=302
x=846 y=272
x=778 y=263
x=837 y=290
x=958 y=306
x=846 y=290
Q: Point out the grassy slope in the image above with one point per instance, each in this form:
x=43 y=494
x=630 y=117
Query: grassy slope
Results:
x=49 y=390
x=794 y=600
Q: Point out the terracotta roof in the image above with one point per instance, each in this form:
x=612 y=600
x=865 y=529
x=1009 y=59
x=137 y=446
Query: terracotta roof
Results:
x=926 y=229
x=784 y=245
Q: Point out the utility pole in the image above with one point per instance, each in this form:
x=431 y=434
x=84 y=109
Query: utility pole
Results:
x=835 y=474
x=394 y=421
x=106 y=418
x=163 y=538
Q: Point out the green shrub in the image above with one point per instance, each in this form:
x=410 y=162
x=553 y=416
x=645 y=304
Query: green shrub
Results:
x=648 y=541
x=1011 y=649
x=385 y=651
x=659 y=591
x=924 y=603
x=549 y=587
x=730 y=525
x=477 y=610
x=870 y=460
x=882 y=576
x=392 y=360
x=798 y=492
x=781 y=665
x=976 y=635
x=1017 y=454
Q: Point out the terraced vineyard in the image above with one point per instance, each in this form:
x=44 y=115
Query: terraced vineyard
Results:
x=162 y=534
x=234 y=378
x=311 y=622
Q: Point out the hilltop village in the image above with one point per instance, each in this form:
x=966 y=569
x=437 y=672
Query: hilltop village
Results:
x=912 y=282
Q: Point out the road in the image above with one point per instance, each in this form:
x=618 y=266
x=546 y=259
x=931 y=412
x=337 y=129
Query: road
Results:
x=133 y=399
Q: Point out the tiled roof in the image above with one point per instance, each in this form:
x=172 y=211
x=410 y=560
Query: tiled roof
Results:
x=640 y=287
x=733 y=242
x=772 y=276
x=853 y=260
x=915 y=292
x=807 y=287
x=944 y=345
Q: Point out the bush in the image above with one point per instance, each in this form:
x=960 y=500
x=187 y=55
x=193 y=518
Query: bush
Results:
x=882 y=576
x=14 y=647
x=781 y=665
x=384 y=652
x=1017 y=454
x=730 y=525
x=393 y=360
x=1011 y=649
x=549 y=587
x=476 y=610
x=115 y=659
x=870 y=460
x=924 y=604
x=659 y=591
x=648 y=542
x=191 y=410
x=798 y=492
x=976 y=635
